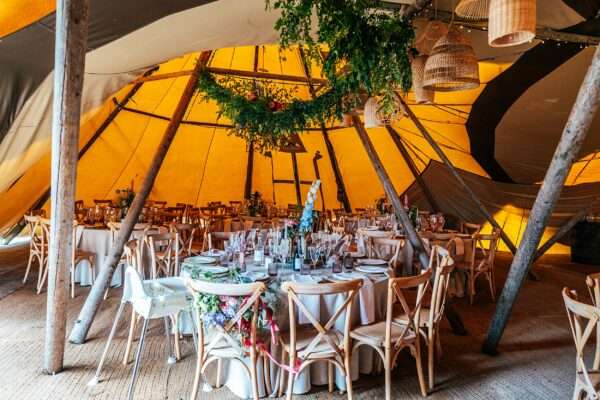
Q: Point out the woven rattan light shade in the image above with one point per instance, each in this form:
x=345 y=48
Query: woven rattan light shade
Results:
x=374 y=117
x=475 y=10
x=418 y=71
x=452 y=65
x=511 y=22
x=433 y=31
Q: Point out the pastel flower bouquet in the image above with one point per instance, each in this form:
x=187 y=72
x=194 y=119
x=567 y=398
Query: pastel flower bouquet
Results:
x=307 y=218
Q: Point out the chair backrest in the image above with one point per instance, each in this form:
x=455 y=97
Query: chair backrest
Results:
x=250 y=291
x=103 y=202
x=401 y=290
x=583 y=319
x=132 y=251
x=486 y=246
x=134 y=286
x=185 y=232
x=470 y=228
x=593 y=285
x=293 y=289
x=169 y=247
x=36 y=233
x=388 y=249
x=442 y=265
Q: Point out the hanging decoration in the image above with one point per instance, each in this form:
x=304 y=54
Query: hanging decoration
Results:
x=452 y=65
x=375 y=115
x=422 y=95
x=358 y=48
x=474 y=10
x=433 y=31
x=511 y=22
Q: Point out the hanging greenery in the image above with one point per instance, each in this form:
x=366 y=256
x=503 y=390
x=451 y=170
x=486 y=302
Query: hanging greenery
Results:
x=359 y=48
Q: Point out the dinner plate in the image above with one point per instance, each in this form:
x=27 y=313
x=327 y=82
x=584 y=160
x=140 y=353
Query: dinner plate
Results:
x=372 y=261
x=200 y=260
x=214 y=269
x=213 y=253
x=257 y=276
x=371 y=269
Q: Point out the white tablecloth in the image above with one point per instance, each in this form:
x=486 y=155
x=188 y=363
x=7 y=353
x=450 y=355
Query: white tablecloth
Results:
x=369 y=307
x=97 y=241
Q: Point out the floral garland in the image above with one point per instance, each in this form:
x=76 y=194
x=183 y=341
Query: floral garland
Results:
x=368 y=52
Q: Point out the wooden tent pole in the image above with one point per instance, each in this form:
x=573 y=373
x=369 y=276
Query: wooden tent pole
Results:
x=391 y=193
x=69 y=68
x=413 y=168
x=296 y=178
x=561 y=232
x=249 y=171
x=414 y=239
x=570 y=143
x=316 y=158
x=339 y=180
x=94 y=299
x=457 y=176
x=15 y=230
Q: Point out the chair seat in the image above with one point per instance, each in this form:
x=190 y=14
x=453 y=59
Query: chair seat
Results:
x=374 y=334
x=402 y=318
x=84 y=254
x=305 y=335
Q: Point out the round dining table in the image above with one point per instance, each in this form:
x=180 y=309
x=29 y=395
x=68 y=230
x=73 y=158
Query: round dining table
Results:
x=369 y=306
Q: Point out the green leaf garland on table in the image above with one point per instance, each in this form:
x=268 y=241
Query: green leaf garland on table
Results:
x=359 y=47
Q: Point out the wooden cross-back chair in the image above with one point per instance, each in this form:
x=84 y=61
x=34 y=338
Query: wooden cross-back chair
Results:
x=103 y=202
x=77 y=256
x=38 y=245
x=441 y=265
x=593 y=284
x=185 y=233
x=317 y=342
x=387 y=249
x=388 y=338
x=482 y=260
x=583 y=319
x=164 y=254
x=140 y=229
x=222 y=344
x=45 y=228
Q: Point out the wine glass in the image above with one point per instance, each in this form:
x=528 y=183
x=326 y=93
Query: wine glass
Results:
x=314 y=253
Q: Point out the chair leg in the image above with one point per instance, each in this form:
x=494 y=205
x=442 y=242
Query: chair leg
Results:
x=330 y=376
x=43 y=276
x=176 y=336
x=387 y=365
x=138 y=358
x=490 y=277
x=253 y=374
x=132 y=325
x=348 y=371
x=290 y=386
x=111 y=335
x=420 y=367
x=73 y=280
x=199 y=360
x=438 y=345
x=267 y=374
x=471 y=288
x=29 y=262
x=170 y=358
x=281 y=374
x=430 y=355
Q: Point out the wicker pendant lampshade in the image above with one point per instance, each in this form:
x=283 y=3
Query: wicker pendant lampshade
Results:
x=374 y=117
x=475 y=10
x=422 y=95
x=452 y=65
x=431 y=34
x=511 y=22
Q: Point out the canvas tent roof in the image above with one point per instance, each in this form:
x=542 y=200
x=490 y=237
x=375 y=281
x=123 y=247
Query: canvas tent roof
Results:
x=505 y=130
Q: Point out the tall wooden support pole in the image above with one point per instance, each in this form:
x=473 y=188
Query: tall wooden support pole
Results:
x=457 y=176
x=69 y=66
x=414 y=239
x=296 y=178
x=391 y=193
x=573 y=135
x=249 y=171
x=94 y=299
x=342 y=195
x=413 y=168
x=316 y=158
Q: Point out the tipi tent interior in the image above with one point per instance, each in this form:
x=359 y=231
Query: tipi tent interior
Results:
x=500 y=136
